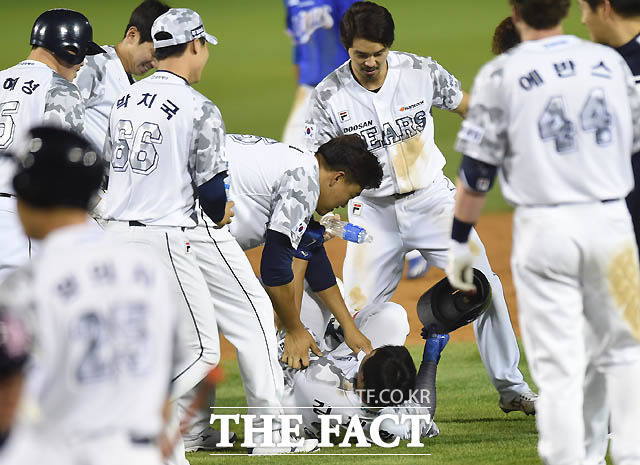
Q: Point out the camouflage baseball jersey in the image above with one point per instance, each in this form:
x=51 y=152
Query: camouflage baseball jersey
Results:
x=101 y=80
x=32 y=94
x=574 y=146
x=164 y=140
x=103 y=326
x=274 y=186
x=327 y=386
x=395 y=122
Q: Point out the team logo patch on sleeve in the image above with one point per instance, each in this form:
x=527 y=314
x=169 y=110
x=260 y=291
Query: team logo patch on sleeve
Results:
x=471 y=133
x=344 y=116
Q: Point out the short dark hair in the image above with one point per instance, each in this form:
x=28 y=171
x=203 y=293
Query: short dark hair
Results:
x=542 y=14
x=172 y=50
x=505 y=37
x=350 y=154
x=369 y=21
x=625 y=8
x=143 y=16
x=389 y=376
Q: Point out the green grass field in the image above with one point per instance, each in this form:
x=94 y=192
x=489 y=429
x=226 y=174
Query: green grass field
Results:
x=473 y=430
x=250 y=76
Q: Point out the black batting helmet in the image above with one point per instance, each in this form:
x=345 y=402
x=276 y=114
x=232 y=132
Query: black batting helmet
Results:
x=57 y=168
x=447 y=309
x=65 y=33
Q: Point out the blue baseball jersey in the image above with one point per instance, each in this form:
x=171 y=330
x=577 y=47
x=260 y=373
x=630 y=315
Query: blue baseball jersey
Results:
x=631 y=54
x=314 y=26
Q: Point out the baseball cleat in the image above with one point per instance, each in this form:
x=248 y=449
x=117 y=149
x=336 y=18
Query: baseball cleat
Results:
x=524 y=402
x=417 y=267
x=207 y=440
x=433 y=430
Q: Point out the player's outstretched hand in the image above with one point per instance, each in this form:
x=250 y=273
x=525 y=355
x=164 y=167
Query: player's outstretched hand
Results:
x=459 y=266
x=356 y=340
x=296 y=348
x=228 y=214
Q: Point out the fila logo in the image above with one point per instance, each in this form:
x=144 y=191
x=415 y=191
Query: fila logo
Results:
x=344 y=116
x=357 y=209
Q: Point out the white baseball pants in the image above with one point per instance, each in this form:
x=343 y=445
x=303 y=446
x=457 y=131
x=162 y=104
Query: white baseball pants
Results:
x=199 y=344
x=244 y=314
x=576 y=273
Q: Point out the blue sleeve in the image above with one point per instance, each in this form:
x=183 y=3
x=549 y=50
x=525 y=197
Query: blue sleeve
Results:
x=277 y=256
x=319 y=273
x=213 y=197
x=476 y=175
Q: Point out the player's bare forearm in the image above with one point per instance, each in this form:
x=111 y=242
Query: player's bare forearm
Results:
x=284 y=303
x=332 y=298
x=463 y=108
x=468 y=204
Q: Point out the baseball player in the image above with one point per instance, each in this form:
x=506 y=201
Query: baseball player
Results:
x=505 y=36
x=547 y=115
x=617 y=23
x=166 y=147
x=274 y=203
x=101 y=316
x=386 y=97
x=35 y=91
x=275 y=189
x=314 y=27
x=105 y=76
x=14 y=354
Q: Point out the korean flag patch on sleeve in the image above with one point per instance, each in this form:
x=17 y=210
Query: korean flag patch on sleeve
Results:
x=310 y=131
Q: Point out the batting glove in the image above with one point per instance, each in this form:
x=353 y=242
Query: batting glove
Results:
x=459 y=270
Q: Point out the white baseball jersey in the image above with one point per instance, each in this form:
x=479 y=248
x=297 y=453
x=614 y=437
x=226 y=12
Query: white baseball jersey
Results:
x=165 y=139
x=101 y=80
x=328 y=386
x=395 y=121
x=104 y=319
x=556 y=116
x=274 y=186
x=32 y=94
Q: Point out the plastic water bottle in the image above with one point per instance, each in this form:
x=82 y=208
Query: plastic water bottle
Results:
x=227 y=186
x=347 y=231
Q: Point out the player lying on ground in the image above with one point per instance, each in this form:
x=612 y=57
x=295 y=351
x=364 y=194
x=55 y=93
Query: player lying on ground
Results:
x=342 y=382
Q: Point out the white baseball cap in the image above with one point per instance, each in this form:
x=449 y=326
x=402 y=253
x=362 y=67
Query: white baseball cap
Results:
x=183 y=24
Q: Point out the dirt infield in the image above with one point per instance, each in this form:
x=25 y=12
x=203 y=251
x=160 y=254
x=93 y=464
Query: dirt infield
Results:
x=495 y=231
